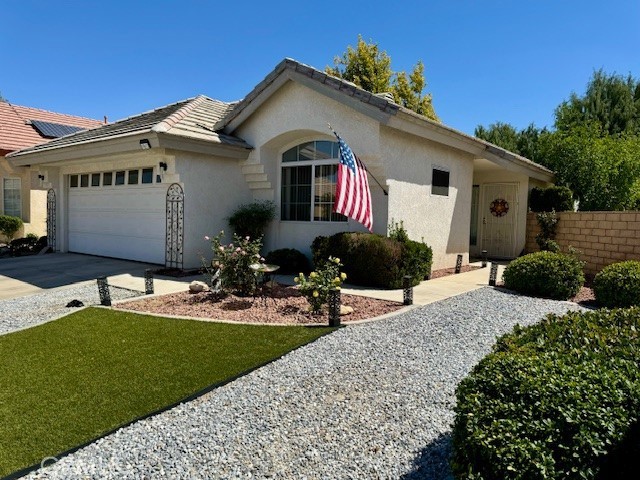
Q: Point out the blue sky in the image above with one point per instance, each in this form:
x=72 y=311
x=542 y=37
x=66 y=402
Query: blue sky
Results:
x=486 y=61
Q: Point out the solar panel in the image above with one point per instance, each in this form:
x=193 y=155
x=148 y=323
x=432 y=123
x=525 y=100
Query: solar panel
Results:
x=53 y=130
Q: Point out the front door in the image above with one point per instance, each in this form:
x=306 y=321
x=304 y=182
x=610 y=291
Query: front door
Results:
x=499 y=208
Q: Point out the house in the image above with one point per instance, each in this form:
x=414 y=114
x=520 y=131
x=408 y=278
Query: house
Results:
x=151 y=186
x=22 y=190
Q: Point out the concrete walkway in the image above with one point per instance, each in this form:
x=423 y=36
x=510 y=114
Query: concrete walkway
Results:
x=428 y=291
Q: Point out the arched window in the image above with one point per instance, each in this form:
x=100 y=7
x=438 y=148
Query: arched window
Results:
x=308 y=182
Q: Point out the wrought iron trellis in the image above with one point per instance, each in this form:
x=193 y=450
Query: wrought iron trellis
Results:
x=51 y=219
x=175 y=227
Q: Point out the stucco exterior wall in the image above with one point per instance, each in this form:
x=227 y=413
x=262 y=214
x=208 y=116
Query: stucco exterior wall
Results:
x=214 y=187
x=505 y=177
x=442 y=221
x=33 y=207
x=295 y=114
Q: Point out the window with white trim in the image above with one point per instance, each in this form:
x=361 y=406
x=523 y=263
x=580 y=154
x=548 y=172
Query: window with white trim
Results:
x=308 y=182
x=12 y=196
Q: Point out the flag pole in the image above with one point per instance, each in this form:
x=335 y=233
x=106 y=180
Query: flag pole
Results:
x=365 y=167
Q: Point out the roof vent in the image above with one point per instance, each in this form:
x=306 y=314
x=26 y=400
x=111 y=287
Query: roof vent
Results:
x=388 y=96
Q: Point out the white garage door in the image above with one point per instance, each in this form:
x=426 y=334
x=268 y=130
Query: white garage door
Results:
x=121 y=221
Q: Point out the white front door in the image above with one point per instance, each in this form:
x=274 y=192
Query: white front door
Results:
x=499 y=218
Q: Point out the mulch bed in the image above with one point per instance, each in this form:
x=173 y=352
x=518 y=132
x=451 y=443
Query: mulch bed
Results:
x=284 y=305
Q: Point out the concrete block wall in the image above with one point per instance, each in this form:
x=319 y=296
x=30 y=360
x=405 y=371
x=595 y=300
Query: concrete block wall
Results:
x=602 y=237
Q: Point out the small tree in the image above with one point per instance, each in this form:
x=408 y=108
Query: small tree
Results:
x=9 y=226
x=370 y=69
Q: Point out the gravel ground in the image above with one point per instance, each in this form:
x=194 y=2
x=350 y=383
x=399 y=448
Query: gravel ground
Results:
x=368 y=401
x=23 y=312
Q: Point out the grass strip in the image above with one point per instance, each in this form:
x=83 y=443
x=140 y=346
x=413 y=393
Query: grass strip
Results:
x=69 y=381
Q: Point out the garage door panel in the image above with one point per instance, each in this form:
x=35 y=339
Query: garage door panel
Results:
x=124 y=222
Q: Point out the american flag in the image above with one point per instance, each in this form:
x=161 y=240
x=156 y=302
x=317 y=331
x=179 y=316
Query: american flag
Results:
x=353 y=197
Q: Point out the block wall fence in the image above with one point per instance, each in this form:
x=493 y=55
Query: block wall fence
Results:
x=602 y=237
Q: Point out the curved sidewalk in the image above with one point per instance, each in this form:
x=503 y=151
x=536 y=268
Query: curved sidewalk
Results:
x=434 y=290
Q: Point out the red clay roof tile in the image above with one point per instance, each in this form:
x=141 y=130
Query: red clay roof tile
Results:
x=16 y=133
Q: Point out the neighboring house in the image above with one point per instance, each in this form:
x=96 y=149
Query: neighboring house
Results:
x=22 y=192
x=150 y=187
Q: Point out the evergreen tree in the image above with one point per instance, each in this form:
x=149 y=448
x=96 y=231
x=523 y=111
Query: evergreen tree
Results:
x=610 y=101
x=370 y=69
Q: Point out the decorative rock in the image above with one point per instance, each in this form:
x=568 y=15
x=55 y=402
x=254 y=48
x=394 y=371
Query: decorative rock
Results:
x=197 y=287
x=346 y=310
x=75 y=304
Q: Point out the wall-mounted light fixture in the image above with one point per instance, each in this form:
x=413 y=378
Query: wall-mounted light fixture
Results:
x=145 y=144
x=163 y=166
x=41 y=177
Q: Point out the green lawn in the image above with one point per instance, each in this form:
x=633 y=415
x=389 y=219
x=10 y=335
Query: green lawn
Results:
x=69 y=381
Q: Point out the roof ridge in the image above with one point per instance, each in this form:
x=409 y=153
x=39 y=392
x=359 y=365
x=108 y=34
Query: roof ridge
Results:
x=42 y=110
x=169 y=122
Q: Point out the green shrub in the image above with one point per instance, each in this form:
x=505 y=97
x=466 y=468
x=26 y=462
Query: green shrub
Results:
x=374 y=260
x=545 y=274
x=251 y=220
x=9 y=226
x=548 y=222
x=555 y=198
x=618 y=285
x=552 y=401
x=319 y=283
x=290 y=260
x=231 y=263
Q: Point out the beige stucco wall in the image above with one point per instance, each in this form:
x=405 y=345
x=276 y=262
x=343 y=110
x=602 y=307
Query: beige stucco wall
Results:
x=214 y=188
x=295 y=114
x=441 y=221
x=33 y=196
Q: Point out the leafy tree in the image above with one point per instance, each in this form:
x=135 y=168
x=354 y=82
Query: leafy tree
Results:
x=611 y=101
x=524 y=142
x=500 y=134
x=370 y=69
x=602 y=170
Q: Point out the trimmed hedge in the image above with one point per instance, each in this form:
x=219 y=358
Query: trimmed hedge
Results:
x=9 y=226
x=555 y=198
x=557 y=400
x=545 y=274
x=618 y=285
x=374 y=260
x=291 y=261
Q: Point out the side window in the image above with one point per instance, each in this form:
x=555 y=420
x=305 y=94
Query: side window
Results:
x=440 y=182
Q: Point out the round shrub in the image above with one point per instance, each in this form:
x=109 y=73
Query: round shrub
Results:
x=554 y=400
x=545 y=274
x=618 y=285
x=374 y=260
x=291 y=261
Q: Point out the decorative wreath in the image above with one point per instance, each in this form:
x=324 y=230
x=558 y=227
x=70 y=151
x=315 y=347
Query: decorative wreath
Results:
x=499 y=207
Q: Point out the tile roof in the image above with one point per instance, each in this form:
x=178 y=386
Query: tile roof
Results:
x=381 y=101
x=17 y=133
x=192 y=118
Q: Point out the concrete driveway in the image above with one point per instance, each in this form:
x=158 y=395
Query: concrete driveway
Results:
x=28 y=275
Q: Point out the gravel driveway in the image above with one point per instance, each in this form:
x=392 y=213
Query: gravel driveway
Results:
x=368 y=401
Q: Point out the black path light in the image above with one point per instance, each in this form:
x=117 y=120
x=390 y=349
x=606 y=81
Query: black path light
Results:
x=103 y=291
x=148 y=281
x=334 y=307
x=484 y=259
x=407 y=290
x=493 y=274
x=458 y=263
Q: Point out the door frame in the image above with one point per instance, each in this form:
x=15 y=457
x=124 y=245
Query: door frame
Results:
x=484 y=201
